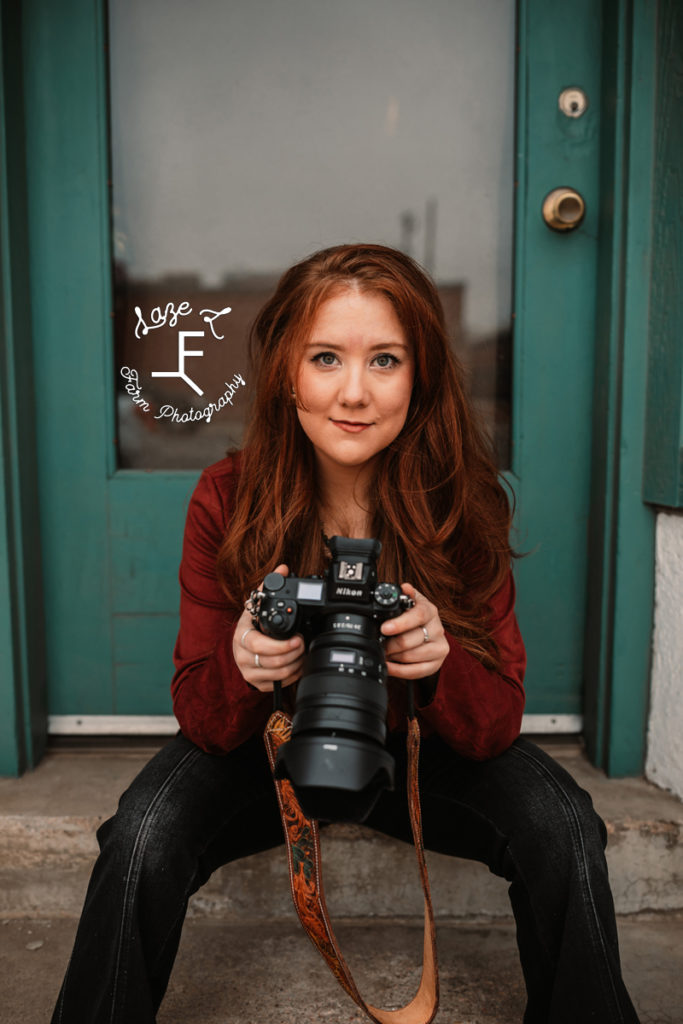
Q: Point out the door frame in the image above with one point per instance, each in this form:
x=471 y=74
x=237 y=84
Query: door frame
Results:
x=68 y=204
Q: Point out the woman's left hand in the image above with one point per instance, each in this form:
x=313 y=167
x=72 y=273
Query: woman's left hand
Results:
x=416 y=644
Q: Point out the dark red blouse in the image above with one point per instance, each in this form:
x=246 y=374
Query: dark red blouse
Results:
x=475 y=710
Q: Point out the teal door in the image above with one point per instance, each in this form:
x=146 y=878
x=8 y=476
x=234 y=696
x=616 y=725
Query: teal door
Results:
x=112 y=518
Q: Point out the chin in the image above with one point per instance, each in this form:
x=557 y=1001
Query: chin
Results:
x=351 y=461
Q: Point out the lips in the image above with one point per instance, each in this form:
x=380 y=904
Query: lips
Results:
x=351 y=427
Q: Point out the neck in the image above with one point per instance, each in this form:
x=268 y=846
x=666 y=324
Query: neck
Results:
x=344 y=493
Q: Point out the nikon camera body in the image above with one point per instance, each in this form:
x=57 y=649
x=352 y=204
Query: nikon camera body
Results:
x=336 y=759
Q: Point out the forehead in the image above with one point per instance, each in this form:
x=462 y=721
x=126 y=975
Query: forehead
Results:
x=357 y=315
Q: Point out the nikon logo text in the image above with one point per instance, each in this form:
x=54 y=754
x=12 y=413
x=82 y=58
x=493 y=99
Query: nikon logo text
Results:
x=349 y=592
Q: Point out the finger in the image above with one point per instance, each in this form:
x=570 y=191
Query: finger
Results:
x=295 y=675
x=269 y=647
x=417 y=670
x=416 y=655
x=411 y=652
x=426 y=630
x=416 y=637
x=263 y=680
x=419 y=615
x=277 y=662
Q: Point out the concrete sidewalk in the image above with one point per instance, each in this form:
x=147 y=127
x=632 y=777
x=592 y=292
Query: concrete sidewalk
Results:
x=268 y=973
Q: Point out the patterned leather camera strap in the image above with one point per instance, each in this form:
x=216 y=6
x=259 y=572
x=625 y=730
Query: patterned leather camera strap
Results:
x=305 y=876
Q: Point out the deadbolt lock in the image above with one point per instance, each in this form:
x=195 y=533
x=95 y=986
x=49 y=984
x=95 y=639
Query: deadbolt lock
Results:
x=563 y=209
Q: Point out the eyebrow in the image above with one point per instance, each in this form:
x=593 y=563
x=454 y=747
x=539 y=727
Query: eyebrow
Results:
x=373 y=348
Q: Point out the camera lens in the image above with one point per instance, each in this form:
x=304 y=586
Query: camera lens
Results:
x=336 y=759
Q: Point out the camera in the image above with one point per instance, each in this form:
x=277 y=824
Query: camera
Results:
x=336 y=759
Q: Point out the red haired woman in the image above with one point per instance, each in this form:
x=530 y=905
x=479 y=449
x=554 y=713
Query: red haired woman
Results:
x=360 y=427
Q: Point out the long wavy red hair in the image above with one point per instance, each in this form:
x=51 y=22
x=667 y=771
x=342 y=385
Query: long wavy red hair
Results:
x=439 y=508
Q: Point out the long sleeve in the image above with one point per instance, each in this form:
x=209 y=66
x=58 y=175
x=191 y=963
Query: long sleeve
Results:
x=213 y=704
x=476 y=710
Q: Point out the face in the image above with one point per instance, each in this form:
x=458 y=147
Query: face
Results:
x=354 y=380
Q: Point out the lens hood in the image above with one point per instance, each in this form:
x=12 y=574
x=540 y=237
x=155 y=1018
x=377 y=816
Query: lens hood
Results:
x=335 y=778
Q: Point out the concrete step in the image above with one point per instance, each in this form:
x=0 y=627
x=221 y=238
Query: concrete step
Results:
x=47 y=847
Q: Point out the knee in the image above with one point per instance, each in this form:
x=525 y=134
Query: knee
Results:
x=569 y=821
x=143 y=838
x=559 y=826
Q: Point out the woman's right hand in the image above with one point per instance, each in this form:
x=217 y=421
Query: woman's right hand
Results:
x=262 y=659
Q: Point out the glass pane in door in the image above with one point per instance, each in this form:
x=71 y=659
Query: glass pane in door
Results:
x=246 y=136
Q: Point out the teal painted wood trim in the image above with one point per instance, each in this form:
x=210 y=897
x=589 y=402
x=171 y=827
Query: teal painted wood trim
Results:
x=13 y=758
x=65 y=90
x=554 y=306
x=621 y=536
x=23 y=712
x=663 y=472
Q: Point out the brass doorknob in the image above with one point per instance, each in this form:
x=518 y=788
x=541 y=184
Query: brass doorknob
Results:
x=563 y=209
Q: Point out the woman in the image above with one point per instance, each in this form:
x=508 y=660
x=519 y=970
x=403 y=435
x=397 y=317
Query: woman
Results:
x=360 y=427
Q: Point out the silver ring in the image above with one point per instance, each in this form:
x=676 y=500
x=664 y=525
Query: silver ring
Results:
x=426 y=635
x=256 y=661
x=243 y=636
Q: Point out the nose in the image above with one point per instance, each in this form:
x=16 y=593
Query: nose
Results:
x=353 y=386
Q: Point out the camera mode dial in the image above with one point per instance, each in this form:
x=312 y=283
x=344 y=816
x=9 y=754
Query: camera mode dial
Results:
x=387 y=594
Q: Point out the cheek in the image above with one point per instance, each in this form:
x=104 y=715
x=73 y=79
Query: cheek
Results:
x=398 y=404
x=315 y=391
x=311 y=410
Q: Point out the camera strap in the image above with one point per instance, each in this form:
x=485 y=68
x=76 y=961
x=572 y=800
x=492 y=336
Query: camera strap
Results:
x=305 y=878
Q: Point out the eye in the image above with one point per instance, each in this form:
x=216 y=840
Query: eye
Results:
x=385 y=360
x=324 y=358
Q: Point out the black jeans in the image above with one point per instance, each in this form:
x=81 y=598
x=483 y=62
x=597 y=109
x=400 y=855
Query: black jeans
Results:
x=189 y=812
